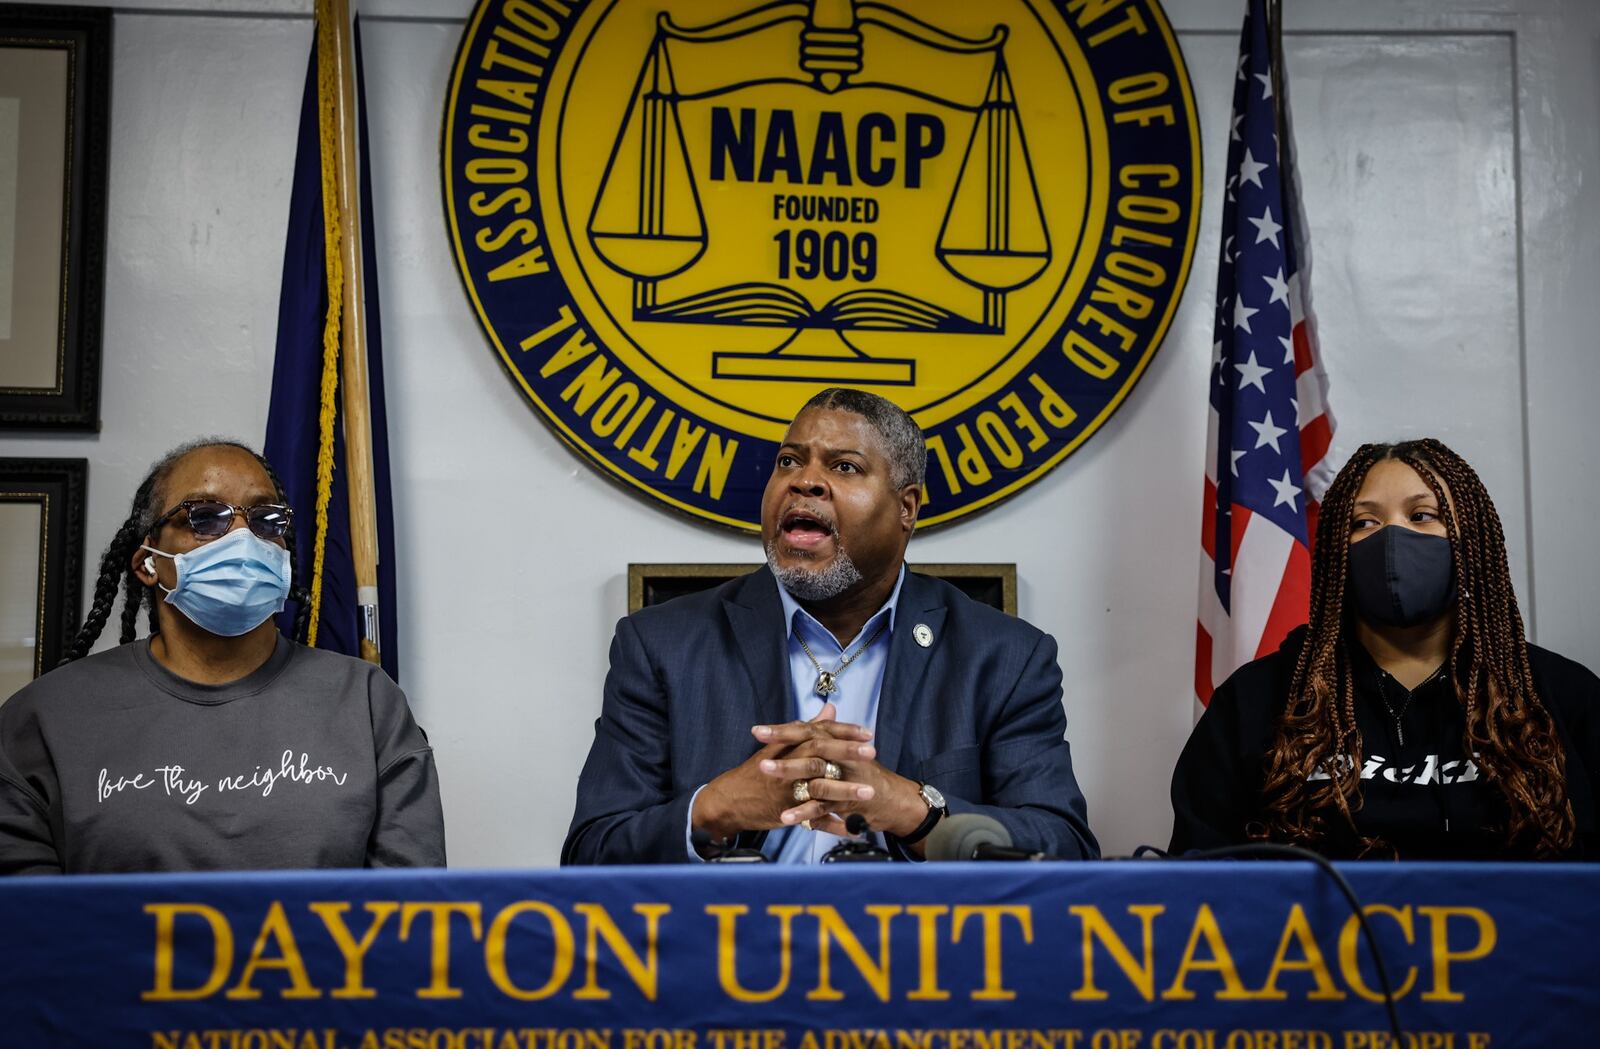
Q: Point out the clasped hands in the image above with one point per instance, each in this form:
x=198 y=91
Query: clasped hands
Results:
x=759 y=793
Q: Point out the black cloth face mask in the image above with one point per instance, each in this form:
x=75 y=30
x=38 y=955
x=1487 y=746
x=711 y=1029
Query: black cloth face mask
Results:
x=1401 y=577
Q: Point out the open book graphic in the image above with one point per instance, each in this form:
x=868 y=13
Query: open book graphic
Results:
x=773 y=305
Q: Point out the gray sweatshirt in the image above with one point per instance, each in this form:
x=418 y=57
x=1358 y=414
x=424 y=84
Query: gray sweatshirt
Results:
x=113 y=763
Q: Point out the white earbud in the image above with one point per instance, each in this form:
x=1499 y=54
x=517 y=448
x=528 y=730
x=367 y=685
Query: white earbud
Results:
x=150 y=565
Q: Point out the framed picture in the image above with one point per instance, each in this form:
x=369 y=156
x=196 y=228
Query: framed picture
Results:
x=55 y=81
x=650 y=584
x=41 y=564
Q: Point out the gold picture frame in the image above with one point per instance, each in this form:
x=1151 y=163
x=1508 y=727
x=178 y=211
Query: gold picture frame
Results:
x=55 y=79
x=41 y=564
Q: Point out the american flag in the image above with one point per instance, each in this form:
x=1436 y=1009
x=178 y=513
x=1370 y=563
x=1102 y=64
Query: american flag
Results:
x=1270 y=428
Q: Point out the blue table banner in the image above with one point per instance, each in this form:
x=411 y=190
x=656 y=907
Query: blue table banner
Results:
x=1130 y=955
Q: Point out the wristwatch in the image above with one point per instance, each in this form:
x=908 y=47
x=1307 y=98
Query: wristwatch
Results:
x=936 y=811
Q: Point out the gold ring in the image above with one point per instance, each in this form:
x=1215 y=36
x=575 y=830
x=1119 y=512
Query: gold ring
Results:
x=831 y=771
x=806 y=824
x=802 y=791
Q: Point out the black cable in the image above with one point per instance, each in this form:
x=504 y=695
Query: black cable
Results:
x=1265 y=849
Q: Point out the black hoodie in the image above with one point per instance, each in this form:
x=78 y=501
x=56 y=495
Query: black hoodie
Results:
x=1420 y=791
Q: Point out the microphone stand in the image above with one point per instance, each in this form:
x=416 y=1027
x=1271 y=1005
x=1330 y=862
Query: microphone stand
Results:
x=862 y=851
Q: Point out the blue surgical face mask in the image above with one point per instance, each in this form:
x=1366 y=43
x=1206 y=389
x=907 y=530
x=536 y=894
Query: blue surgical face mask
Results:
x=231 y=585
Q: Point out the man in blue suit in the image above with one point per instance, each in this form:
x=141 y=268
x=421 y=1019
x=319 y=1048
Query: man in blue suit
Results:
x=762 y=714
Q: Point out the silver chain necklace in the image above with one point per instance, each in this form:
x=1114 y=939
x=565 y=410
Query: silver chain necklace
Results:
x=827 y=683
x=1384 y=677
x=1395 y=715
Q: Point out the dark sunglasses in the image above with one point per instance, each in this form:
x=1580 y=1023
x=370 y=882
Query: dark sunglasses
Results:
x=208 y=519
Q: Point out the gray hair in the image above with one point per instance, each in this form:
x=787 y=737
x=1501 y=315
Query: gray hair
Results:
x=835 y=578
x=902 y=437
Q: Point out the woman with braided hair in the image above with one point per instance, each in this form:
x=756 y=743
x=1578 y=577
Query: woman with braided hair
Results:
x=1410 y=717
x=215 y=742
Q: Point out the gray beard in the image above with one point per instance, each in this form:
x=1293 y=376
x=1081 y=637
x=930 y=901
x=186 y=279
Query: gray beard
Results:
x=840 y=575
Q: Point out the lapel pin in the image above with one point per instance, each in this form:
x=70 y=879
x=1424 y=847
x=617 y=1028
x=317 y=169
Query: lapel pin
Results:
x=923 y=634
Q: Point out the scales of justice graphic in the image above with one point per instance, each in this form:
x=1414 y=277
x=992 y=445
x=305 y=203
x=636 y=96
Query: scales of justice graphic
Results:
x=648 y=223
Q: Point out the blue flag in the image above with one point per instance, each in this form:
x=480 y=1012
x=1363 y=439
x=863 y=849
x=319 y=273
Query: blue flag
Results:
x=294 y=417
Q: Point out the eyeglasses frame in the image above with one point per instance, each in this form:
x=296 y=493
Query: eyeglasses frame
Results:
x=244 y=511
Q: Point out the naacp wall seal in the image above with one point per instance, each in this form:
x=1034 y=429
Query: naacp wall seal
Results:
x=679 y=219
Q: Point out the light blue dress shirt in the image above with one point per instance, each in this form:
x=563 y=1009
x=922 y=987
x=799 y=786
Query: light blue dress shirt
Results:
x=856 y=702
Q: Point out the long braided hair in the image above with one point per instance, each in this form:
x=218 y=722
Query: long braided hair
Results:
x=116 y=568
x=1509 y=732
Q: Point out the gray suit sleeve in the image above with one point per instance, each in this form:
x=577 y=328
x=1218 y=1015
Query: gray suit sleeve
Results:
x=1028 y=781
x=627 y=811
x=409 y=828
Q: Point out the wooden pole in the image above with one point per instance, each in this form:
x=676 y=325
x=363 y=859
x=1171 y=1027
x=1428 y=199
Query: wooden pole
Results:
x=353 y=344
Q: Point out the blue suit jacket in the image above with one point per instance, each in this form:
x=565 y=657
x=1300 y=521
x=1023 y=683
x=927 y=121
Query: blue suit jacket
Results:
x=977 y=714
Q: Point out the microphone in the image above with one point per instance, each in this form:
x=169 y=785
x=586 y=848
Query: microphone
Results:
x=856 y=851
x=973 y=836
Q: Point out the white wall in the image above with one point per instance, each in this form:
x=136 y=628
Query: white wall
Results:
x=1450 y=153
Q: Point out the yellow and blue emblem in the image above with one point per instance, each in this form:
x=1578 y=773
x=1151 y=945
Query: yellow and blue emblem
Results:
x=678 y=220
